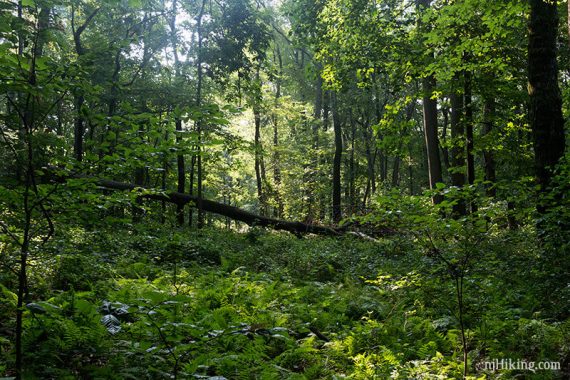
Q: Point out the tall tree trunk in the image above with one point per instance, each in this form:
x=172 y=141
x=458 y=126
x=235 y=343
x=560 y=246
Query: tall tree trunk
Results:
x=352 y=167
x=430 y=118
x=431 y=135
x=443 y=141
x=276 y=159
x=78 y=128
x=78 y=98
x=337 y=160
x=488 y=155
x=396 y=171
x=198 y=104
x=181 y=172
x=468 y=96
x=410 y=169
x=468 y=100
x=370 y=162
x=257 y=140
x=546 y=117
x=257 y=156
x=457 y=168
x=323 y=199
x=314 y=173
x=180 y=164
x=192 y=186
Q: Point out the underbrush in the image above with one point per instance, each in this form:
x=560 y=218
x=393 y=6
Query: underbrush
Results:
x=137 y=303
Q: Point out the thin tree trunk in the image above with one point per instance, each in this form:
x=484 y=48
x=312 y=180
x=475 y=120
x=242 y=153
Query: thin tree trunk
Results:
x=276 y=158
x=337 y=160
x=457 y=168
x=431 y=135
x=323 y=199
x=198 y=104
x=410 y=170
x=192 y=186
x=469 y=128
x=488 y=155
x=443 y=140
x=78 y=99
x=468 y=100
x=180 y=164
x=370 y=162
x=352 y=168
x=396 y=171
x=257 y=141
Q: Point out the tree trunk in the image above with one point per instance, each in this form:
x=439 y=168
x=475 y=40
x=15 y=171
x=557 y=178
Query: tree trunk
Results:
x=443 y=140
x=546 y=118
x=181 y=172
x=257 y=140
x=431 y=136
x=222 y=209
x=258 y=159
x=78 y=128
x=199 y=123
x=396 y=171
x=488 y=155
x=337 y=160
x=469 y=128
x=276 y=159
x=370 y=161
x=78 y=99
x=323 y=199
x=468 y=100
x=457 y=161
x=180 y=165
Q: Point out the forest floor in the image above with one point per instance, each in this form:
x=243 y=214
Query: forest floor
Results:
x=140 y=304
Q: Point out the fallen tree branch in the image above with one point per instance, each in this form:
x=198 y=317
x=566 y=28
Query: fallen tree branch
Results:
x=231 y=212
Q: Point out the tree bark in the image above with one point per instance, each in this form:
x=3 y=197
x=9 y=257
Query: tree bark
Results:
x=199 y=123
x=337 y=160
x=546 y=118
x=257 y=140
x=431 y=136
x=222 y=209
x=468 y=101
x=276 y=157
x=488 y=155
x=457 y=168
x=468 y=96
x=180 y=165
x=78 y=99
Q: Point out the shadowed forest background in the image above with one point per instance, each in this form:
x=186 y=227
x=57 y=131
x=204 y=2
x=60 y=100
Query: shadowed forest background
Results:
x=284 y=189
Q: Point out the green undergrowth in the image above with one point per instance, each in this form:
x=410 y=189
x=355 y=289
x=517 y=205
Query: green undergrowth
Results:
x=136 y=303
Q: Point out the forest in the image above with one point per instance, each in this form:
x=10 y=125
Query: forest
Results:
x=284 y=189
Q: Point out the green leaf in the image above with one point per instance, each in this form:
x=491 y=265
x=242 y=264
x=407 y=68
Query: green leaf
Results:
x=28 y=3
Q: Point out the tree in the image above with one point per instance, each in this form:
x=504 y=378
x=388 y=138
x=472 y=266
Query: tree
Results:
x=546 y=118
x=429 y=105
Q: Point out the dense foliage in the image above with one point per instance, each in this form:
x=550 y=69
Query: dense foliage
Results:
x=146 y=144
x=137 y=304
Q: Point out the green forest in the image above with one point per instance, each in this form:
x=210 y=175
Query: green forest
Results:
x=284 y=189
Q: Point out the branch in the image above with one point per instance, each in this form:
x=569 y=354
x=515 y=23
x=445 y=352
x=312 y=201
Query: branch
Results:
x=232 y=212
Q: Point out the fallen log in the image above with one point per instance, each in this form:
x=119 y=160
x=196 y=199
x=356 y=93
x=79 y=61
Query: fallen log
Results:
x=231 y=212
